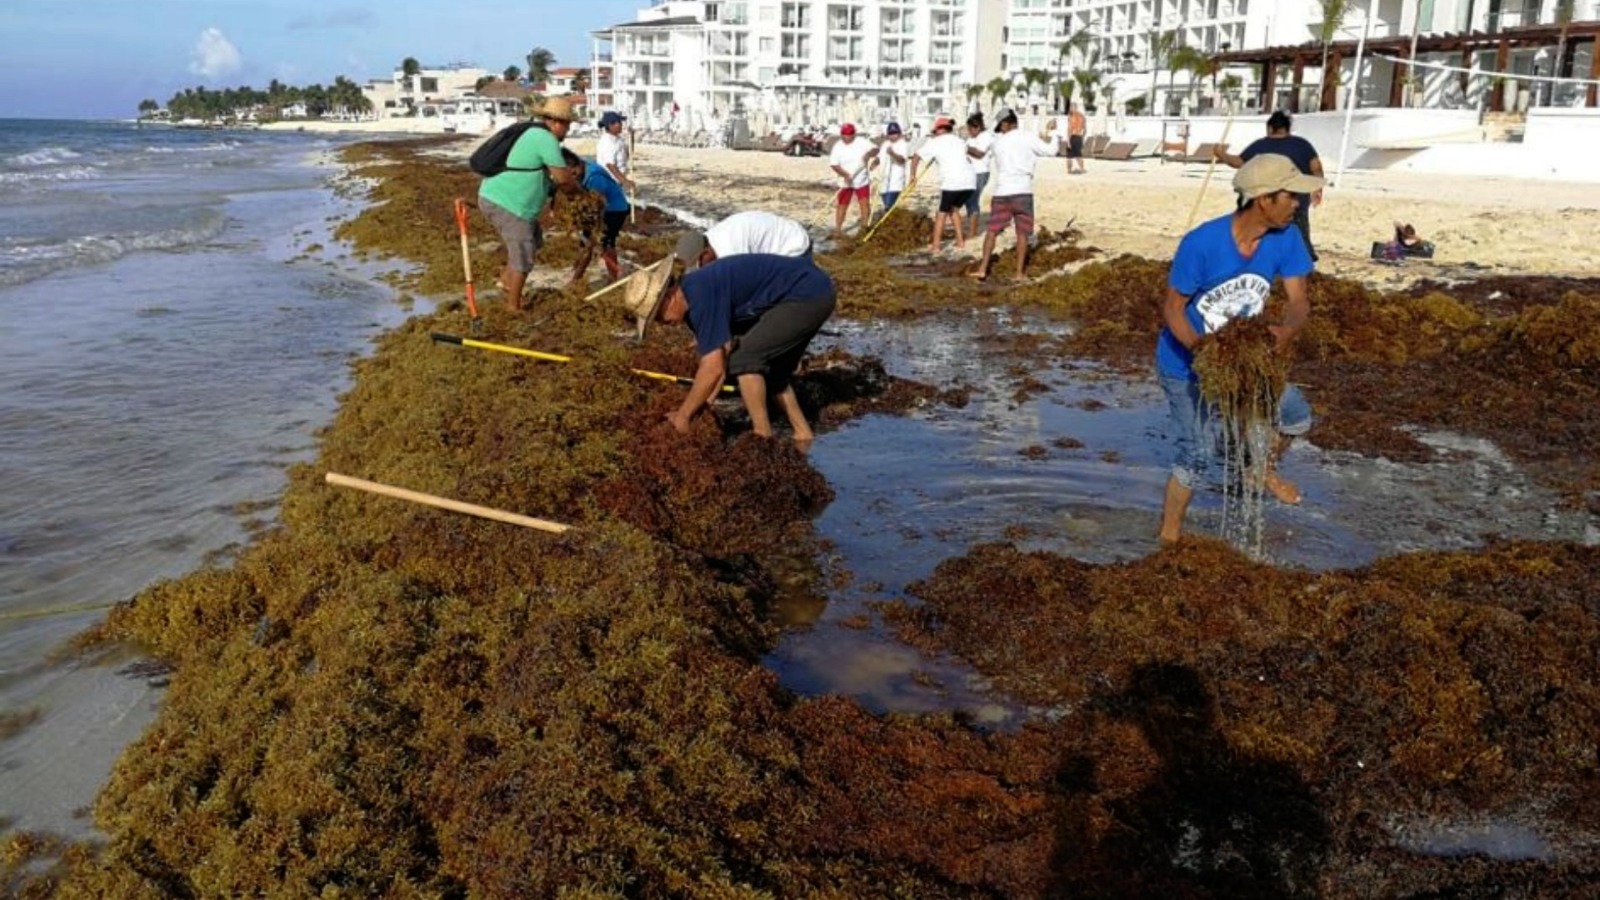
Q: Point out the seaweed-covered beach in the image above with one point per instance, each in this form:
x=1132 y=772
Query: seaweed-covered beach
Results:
x=378 y=698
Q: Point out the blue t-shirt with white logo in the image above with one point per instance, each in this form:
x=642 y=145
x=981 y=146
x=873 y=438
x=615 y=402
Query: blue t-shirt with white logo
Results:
x=1222 y=284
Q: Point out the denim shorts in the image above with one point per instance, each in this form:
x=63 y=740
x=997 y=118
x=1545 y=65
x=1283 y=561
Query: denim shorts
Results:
x=972 y=202
x=1191 y=421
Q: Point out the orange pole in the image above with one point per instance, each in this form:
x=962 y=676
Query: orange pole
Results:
x=466 y=257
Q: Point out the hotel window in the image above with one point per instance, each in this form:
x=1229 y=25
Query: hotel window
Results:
x=796 y=15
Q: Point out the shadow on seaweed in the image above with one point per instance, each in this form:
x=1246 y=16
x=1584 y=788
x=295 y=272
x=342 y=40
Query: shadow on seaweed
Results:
x=1207 y=822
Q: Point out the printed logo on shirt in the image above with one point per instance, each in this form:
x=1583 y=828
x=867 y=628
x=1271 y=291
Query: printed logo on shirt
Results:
x=1242 y=295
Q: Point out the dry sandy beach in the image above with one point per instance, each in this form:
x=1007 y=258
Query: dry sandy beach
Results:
x=1507 y=226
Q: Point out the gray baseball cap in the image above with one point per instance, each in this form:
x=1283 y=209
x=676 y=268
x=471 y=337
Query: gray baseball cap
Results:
x=690 y=246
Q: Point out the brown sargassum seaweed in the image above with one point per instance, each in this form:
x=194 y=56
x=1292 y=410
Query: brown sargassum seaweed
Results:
x=381 y=700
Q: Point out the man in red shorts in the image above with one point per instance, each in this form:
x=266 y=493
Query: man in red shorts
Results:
x=1015 y=154
x=851 y=159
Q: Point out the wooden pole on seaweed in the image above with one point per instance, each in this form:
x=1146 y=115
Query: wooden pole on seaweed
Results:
x=470 y=509
x=1210 y=167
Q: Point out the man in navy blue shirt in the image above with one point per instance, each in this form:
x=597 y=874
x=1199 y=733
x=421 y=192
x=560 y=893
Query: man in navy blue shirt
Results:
x=1298 y=149
x=753 y=316
x=1223 y=270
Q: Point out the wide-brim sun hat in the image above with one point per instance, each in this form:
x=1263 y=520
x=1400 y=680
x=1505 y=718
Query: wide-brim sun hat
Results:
x=558 y=108
x=645 y=292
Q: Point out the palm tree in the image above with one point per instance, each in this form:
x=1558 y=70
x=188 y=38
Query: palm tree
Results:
x=1032 y=78
x=1564 y=19
x=146 y=107
x=1064 y=93
x=512 y=73
x=1161 y=46
x=1209 y=67
x=1333 y=13
x=1078 y=42
x=974 y=91
x=1088 y=81
x=1183 y=59
x=998 y=87
x=540 y=62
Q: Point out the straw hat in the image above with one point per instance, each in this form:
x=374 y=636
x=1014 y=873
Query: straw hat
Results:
x=557 y=108
x=646 y=290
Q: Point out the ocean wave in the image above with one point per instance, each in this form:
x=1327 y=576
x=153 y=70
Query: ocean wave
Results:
x=44 y=156
x=70 y=173
x=24 y=262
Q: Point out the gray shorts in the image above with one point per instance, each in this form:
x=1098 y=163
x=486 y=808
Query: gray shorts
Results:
x=772 y=344
x=521 y=237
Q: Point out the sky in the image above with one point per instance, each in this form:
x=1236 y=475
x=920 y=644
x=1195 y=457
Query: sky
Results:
x=65 y=59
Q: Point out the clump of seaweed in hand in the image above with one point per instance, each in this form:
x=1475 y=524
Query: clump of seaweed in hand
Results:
x=1241 y=374
x=1241 y=378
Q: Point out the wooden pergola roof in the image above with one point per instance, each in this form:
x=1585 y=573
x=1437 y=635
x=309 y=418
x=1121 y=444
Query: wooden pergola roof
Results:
x=1529 y=36
x=1466 y=44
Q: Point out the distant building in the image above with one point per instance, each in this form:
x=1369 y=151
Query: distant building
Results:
x=404 y=95
x=687 y=64
x=1274 y=49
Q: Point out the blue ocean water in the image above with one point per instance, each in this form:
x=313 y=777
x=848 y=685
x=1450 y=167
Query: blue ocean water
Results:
x=171 y=336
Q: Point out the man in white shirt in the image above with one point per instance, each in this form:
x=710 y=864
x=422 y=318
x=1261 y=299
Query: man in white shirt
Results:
x=956 y=178
x=611 y=150
x=742 y=233
x=1015 y=152
x=895 y=151
x=851 y=159
x=979 y=142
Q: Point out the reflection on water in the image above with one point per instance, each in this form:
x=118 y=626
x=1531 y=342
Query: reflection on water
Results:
x=915 y=490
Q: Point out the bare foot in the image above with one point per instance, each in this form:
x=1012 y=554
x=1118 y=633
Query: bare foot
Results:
x=1284 y=490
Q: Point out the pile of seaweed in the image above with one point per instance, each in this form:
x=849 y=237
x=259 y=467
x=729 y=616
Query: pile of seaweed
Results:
x=384 y=699
x=1246 y=730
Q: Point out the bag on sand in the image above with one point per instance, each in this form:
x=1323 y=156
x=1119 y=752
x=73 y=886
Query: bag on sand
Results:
x=490 y=158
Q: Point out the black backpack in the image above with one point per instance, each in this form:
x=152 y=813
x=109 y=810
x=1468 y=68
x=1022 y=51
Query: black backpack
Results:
x=490 y=158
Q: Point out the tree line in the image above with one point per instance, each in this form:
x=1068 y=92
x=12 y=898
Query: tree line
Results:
x=343 y=96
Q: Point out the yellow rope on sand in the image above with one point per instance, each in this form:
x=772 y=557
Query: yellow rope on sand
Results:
x=1210 y=167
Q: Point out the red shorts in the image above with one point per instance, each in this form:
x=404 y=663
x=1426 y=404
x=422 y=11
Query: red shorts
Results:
x=1016 y=208
x=860 y=193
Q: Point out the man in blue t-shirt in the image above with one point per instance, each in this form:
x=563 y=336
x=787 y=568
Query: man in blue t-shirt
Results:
x=591 y=177
x=1298 y=149
x=753 y=316
x=1224 y=270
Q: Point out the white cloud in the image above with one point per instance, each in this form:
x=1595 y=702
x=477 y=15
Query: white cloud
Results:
x=214 y=56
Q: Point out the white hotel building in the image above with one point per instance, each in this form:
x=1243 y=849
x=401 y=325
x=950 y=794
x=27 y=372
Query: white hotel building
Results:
x=827 y=61
x=798 y=61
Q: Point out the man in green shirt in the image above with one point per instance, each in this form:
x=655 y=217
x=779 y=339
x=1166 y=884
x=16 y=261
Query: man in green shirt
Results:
x=512 y=200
